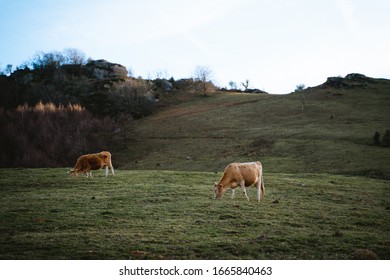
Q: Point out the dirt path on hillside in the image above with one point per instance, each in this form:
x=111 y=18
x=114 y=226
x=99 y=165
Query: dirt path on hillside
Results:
x=179 y=111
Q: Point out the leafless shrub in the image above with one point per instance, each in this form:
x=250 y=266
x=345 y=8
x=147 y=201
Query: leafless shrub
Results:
x=203 y=83
x=134 y=97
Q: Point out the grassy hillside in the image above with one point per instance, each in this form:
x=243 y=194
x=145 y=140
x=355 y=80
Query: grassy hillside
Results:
x=333 y=134
x=327 y=188
x=171 y=215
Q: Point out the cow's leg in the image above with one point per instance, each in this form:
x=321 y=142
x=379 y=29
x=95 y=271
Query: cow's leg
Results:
x=112 y=168
x=242 y=184
x=106 y=170
x=258 y=187
x=233 y=193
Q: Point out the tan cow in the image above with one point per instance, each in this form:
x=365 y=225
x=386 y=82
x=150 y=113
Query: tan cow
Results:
x=243 y=175
x=89 y=162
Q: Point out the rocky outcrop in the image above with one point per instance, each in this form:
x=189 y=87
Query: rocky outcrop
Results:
x=358 y=78
x=350 y=81
x=163 y=84
x=102 y=69
x=254 y=90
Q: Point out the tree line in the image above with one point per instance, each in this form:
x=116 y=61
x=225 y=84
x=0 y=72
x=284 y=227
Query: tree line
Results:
x=47 y=135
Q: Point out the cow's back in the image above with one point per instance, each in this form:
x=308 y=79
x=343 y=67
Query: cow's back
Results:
x=82 y=163
x=95 y=162
x=90 y=162
x=249 y=172
x=105 y=155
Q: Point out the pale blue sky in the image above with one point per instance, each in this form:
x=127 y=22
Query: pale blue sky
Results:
x=276 y=44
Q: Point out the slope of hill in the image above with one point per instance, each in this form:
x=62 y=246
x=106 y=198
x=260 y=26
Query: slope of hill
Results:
x=334 y=133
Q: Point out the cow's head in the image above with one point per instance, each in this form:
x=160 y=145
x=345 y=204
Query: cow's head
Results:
x=218 y=190
x=73 y=173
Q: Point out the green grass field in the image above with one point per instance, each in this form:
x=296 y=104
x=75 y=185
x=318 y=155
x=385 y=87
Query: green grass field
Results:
x=172 y=215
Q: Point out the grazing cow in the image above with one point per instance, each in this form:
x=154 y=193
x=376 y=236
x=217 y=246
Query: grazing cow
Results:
x=89 y=162
x=243 y=175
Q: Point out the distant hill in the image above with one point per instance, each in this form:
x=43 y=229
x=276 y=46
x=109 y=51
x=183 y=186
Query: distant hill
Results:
x=334 y=133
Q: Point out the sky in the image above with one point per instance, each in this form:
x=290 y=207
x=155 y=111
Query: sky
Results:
x=275 y=44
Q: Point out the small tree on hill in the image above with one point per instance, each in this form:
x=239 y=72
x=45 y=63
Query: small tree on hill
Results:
x=245 y=84
x=8 y=69
x=376 y=138
x=74 y=56
x=300 y=90
x=233 y=85
x=203 y=77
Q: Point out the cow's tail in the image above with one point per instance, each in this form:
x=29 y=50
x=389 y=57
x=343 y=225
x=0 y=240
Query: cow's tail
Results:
x=262 y=185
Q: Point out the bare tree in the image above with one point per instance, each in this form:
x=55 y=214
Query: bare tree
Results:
x=42 y=60
x=245 y=84
x=161 y=74
x=8 y=69
x=203 y=76
x=300 y=90
x=130 y=72
x=74 y=56
x=133 y=97
x=203 y=73
x=233 y=85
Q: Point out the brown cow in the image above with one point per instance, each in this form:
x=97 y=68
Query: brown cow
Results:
x=89 y=162
x=243 y=175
